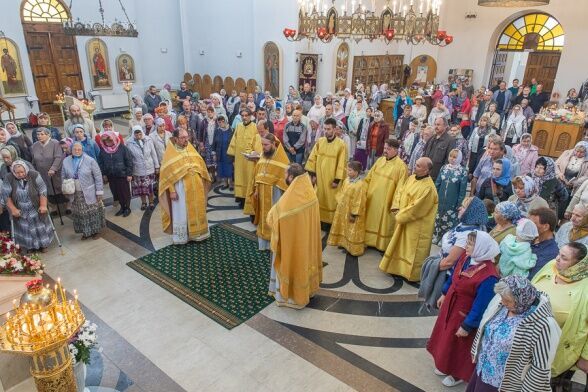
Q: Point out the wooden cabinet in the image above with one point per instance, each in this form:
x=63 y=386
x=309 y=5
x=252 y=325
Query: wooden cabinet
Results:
x=387 y=109
x=553 y=137
x=377 y=70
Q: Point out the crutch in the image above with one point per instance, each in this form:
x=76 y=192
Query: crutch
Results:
x=56 y=200
x=55 y=234
x=12 y=228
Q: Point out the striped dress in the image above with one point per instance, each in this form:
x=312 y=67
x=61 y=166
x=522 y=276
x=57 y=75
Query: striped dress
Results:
x=534 y=343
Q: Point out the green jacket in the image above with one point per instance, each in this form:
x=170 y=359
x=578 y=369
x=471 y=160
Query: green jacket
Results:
x=573 y=343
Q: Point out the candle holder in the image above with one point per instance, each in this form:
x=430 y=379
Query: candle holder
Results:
x=128 y=87
x=90 y=107
x=60 y=101
x=41 y=327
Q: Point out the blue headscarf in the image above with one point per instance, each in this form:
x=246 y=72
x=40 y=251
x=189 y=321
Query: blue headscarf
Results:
x=476 y=213
x=504 y=179
x=509 y=211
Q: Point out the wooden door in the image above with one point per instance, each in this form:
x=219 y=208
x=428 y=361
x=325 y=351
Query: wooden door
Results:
x=543 y=67
x=54 y=63
x=44 y=73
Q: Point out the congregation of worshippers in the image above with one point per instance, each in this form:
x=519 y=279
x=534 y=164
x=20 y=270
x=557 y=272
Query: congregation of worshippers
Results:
x=454 y=196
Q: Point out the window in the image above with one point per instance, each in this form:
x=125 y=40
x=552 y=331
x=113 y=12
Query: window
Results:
x=533 y=31
x=49 y=11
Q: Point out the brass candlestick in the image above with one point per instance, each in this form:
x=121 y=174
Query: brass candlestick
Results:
x=128 y=87
x=41 y=327
x=60 y=101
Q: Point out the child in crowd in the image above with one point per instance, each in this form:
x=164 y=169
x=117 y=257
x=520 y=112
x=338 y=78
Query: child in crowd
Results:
x=490 y=207
x=465 y=125
x=348 y=228
x=516 y=257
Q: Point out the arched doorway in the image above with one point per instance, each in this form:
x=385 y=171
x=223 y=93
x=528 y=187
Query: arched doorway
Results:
x=529 y=47
x=53 y=55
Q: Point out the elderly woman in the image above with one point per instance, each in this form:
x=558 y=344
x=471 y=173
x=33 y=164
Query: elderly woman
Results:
x=472 y=216
x=419 y=110
x=25 y=194
x=515 y=343
x=580 y=197
x=576 y=230
x=506 y=215
x=493 y=117
x=21 y=140
x=116 y=165
x=145 y=167
x=317 y=111
x=47 y=157
x=565 y=281
x=549 y=187
x=9 y=155
x=572 y=166
x=138 y=118
x=526 y=197
x=526 y=154
x=514 y=127
x=466 y=294
x=224 y=162
x=161 y=137
x=87 y=207
x=5 y=140
x=90 y=147
x=138 y=103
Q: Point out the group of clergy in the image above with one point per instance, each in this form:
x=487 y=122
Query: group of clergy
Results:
x=387 y=210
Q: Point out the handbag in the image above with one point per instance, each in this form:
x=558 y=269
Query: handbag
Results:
x=68 y=186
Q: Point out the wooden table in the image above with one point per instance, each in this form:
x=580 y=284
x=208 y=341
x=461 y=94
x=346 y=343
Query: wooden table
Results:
x=555 y=137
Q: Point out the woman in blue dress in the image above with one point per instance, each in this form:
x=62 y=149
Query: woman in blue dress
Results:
x=224 y=162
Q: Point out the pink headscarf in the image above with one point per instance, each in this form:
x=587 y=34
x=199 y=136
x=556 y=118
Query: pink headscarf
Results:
x=114 y=137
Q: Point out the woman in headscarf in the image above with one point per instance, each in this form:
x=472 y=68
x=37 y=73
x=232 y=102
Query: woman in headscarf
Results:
x=572 y=166
x=224 y=162
x=580 y=197
x=498 y=187
x=87 y=207
x=338 y=113
x=47 y=159
x=466 y=294
x=565 y=281
x=506 y=215
x=145 y=167
x=514 y=127
x=138 y=103
x=161 y=137
x=515 y=343
x=460 y=143
x=137 y=118
x=526 y=197
x=90 y=148
x=293 y=94
x=451 y=184
x=353 y=122
x=526 y=155
x=205 y=148
x=25 y=194
x=576 y=230
x=363 y=131
x=5 y=140
x=9 y=155
x=375 y=98
x=279 y=123
x=317 y=112
x=472 y=216
x=116 y=165
x=164 y=93
x=217 y=104
x=478 y=141
x=21 y=140
x=549 y=187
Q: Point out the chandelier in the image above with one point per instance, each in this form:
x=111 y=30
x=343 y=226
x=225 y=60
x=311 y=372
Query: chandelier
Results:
x=116 y=29
x=413 y=21
x=512 y=3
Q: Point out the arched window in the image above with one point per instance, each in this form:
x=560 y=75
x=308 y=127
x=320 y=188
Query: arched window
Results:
x=48 y=11
x=540 y=32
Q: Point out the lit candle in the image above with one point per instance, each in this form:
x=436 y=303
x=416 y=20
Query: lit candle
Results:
x=14 y=304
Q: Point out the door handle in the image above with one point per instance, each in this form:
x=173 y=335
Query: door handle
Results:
x=72 y=74
x=40 y=76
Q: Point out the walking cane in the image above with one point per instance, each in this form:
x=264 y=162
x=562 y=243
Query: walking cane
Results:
x=55 y=199
x=12 y=228
x=55 y=234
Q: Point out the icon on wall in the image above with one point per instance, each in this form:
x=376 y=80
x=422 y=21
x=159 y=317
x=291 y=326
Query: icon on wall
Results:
x=98 y=63
x=125 y=67
x=11 y=78
x=271 y=67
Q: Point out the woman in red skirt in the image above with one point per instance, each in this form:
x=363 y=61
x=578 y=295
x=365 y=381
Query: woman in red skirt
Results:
x=466 y=295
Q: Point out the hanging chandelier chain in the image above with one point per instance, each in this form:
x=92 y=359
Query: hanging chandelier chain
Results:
x=101 y=9
x=124 y=11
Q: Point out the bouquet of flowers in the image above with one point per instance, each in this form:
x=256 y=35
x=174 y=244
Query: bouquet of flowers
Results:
x=12 y=262
x=83 y=342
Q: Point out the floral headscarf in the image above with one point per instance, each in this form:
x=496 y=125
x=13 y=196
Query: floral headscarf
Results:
x=575 y=273
x=523 y=292
x=581 y=144
x=549 y=174
x=19 y=162
x=113 y=136
x=476 y=213
x=504 y=179
x=509 y=211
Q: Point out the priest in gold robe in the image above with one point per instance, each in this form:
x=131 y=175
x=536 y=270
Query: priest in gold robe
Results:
x=415 y=207
x=267 y=187
x=348 y=229
x=326 y=165
x=245 y=141
x=297 y=267
x=383 y=181
x=183 y=187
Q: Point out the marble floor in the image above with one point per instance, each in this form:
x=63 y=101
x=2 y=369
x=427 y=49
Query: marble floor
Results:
x=361 y=332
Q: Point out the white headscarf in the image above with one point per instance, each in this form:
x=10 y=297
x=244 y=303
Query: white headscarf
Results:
x=6 y=133
x=486 y=248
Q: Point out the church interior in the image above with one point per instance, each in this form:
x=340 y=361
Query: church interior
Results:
x=161 y=317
